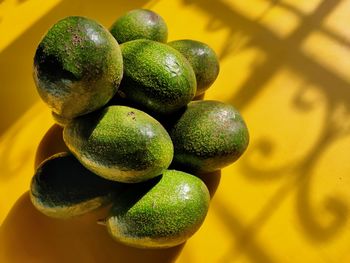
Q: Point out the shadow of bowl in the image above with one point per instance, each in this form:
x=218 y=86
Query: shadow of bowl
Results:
x=26 y=235
x=211 y=180
x=29 y=236
x=50 y=144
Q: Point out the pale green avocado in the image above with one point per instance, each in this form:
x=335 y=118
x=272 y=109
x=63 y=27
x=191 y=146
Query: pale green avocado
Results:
x=157 y=78
x=63 y=188
x=140 y=24
x=208 y=136
x=78 y=66
x=160 y=213
x=120 y=143
x=203 y=61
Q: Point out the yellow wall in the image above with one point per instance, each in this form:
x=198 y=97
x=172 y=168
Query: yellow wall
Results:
x=284 y=65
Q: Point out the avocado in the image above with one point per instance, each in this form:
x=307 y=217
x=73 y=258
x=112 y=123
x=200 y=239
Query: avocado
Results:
x=61 y=121
x=202 y=59
x=140 y=24
x=78 y=66
x=208 y=136
x=120 y=143
x=160 y=213
x=63 y=188
x=157 y=78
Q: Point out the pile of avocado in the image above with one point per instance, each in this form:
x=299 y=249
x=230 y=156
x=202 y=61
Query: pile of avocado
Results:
x=136 y=135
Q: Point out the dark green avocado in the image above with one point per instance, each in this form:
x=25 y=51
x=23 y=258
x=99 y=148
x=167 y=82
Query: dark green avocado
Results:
x=140 y=24
x=208 y=136
x=203 y=61
x=157 y=78
x=162 y=212
x=77 y=66
x=120 y=143
x=63 y=188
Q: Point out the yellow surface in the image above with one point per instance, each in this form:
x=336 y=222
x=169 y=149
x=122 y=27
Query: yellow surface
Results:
x=284 y=65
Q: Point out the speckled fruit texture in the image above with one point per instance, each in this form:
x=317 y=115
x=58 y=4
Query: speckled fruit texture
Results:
x=140 y=24
x=203 y=61
x=77 y=67
x=208 y=136
x=120 y=143
x=160 y=213
x=157 y=77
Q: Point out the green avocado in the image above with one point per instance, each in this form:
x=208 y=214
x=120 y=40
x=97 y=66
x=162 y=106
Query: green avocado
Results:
x=120 y=143
x=157 y=78
x=63 y=188
x=59 y=119
x=78 y=67
x=203 y=61
x=208 y=136
x=140 y=24
x=160 y=213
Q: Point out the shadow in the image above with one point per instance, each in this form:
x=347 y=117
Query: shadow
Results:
x=8 y=166
x=264 y=148
x=81 y=239
x=87 y=241
x=280 y=51
x=199 y=97
x=284 y=52
x=245 y=233
x=324 y=29
x=211 y=180
x=132 y=193
x=18 y=92
x=93 y=119
x=51 y=143
x=316 y=229
x=272 y=4
x=245 y=242
x=63 y=188
x=16 y=150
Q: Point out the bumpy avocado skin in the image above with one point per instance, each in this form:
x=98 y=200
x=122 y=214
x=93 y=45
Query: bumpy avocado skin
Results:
x=140 y=24
x=208 y=136
x=203 y=61
x=77 y=67
x=63 y=188
x=59 y=119
x=157 y=77
x=165 y=212
x=120 y=143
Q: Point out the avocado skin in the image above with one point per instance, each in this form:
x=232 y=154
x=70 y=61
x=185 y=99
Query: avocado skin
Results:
x=120 y=143
x=140 y=24
x=208 y=136
x=160 y=213
x=63 y=188
x=202 y=59
x=77 y=67
x=59 y=119
x=157 y=78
